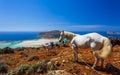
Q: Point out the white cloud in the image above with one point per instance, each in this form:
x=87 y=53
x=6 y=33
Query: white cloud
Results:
x=88 y=26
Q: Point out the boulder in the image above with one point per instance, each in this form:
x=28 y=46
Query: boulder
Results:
x=33 y=58
x=23 y=54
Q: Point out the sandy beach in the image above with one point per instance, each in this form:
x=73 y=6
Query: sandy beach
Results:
x=35 y=43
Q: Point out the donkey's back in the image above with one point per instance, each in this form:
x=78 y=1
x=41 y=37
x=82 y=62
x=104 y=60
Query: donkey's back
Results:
x=95 y=37
x=92 y=40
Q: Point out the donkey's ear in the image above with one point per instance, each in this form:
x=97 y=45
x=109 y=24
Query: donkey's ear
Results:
x=63 y=31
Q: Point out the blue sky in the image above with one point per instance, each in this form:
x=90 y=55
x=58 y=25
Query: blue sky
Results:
x=72 y=15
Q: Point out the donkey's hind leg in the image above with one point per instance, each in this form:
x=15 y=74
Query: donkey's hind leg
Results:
x=96 y=60
x=102 y=62
x=95 y=63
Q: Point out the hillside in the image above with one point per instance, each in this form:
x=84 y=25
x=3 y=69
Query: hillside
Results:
x=50 y=34
x=62 y=59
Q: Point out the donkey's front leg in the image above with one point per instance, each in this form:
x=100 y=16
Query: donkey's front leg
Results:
x=75 y=53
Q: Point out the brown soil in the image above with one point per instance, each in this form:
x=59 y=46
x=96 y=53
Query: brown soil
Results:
x=63 y=57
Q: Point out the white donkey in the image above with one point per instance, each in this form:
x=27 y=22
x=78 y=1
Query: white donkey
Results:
x=100 y=45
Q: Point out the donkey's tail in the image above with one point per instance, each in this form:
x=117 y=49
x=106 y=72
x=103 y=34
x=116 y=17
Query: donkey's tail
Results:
x=107 y=48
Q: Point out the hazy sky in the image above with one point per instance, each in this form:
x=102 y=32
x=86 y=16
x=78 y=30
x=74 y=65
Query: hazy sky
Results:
x=72 y=15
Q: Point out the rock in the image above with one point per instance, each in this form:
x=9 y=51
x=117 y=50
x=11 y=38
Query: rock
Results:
x=57 y=63
x=3 y=67
x=49 y=63
x=87 y=67
x=33 y=58
x=19 y=49
x=50 y=34
x=23 y=54
x=115 y=59
x=85 y=73
x=112 y=69
x=1 y=57
x=6 y=50
x=112 y=32
x=58 y=72
x=63 y=61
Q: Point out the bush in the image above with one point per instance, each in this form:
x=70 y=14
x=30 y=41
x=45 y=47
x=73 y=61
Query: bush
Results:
x=6 y=50
x=3 y=67
x=41 y=67
x=11 y=72
x=25 y=69
x=52 y=66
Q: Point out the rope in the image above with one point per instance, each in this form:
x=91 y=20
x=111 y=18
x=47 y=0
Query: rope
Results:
x=91 y=67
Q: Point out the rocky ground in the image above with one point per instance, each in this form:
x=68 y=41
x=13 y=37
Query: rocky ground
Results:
x=57 y=61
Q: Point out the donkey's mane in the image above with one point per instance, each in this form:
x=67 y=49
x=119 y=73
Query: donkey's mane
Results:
x=69 y=35
x=69 y=32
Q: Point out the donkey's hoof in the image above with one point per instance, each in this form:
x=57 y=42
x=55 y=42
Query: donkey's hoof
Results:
x=101 y=68
x=92 y=67
x=73 y=60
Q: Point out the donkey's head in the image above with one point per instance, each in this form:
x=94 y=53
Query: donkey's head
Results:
x=62 y=36
x=66 y=35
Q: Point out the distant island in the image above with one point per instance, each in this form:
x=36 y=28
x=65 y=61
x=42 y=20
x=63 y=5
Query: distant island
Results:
x=112 y=32
x=50 y=34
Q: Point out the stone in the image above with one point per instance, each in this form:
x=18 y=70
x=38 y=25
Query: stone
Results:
x=33 y=58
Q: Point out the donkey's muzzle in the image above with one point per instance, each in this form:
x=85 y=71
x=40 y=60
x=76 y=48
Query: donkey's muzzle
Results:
x=59 y=40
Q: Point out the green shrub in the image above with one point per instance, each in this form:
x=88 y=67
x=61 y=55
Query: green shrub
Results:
x=3 y=67
x=41 y=67
x=11 y=72
x=52 y=66
x=25 y=69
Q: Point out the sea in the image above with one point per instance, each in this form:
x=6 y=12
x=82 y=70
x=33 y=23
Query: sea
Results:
x=10 y=39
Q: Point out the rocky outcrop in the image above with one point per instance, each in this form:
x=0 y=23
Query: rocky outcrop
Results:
x=50 y=34
x=6 y=50
x=112 y=32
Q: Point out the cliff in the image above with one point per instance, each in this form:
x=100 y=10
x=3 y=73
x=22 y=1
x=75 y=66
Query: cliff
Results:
x=50 y=34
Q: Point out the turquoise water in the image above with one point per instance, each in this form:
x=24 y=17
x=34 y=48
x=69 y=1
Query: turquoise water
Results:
x=10 y=44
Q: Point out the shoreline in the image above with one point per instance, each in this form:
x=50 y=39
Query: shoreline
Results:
x=36 y=43
x=27 y=43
